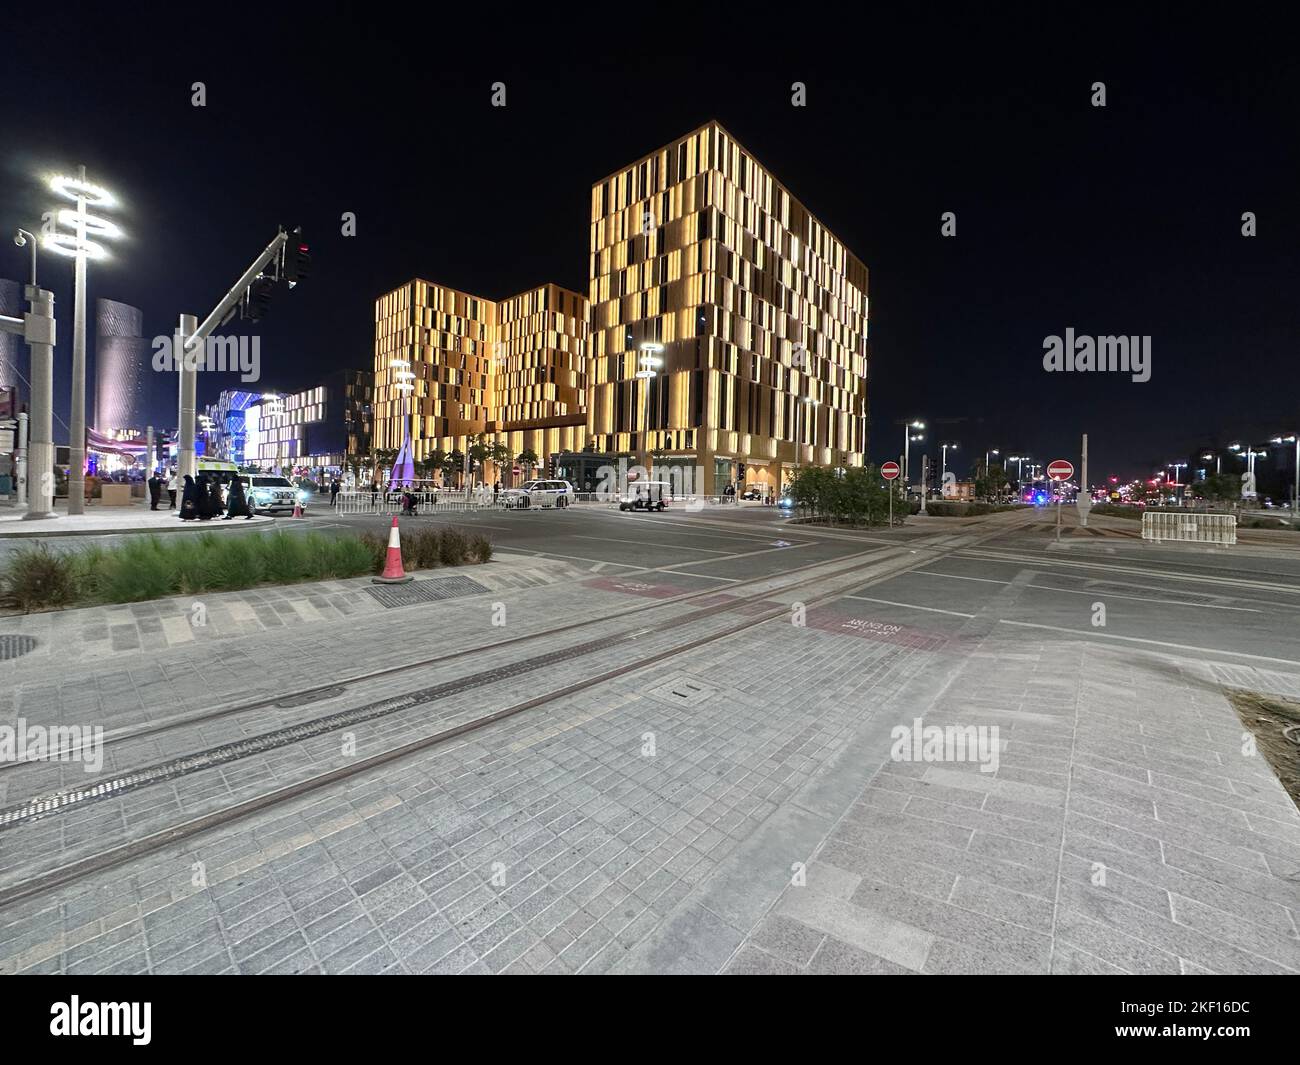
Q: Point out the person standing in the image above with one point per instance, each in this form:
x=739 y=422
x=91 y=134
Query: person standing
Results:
x=237 y=502
x=202 y=498
x=172 y=485
x=190 y=500
x=214 y=496
x=155 y=490
x=334 y=490
x=496 y=492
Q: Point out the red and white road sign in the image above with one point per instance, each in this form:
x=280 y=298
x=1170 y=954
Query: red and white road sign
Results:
x=889 y=470
x=1060 y=470
x=518 y=471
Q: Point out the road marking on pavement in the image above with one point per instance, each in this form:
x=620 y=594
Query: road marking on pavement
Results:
x=1095 y=593
x=651 y=543
x=1029 y=560
x=1090 y=633
x=910 y=606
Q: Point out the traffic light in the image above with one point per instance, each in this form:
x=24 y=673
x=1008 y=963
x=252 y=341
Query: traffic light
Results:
x=258 y=298
x=297 y=258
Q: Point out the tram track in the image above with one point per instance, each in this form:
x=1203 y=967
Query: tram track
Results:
x=898 y=560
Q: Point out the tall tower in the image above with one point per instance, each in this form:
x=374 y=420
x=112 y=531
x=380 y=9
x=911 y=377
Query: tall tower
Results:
x=121 y=356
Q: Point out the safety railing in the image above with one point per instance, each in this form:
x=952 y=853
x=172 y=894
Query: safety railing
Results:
x=1189 y=527
x=425 y=502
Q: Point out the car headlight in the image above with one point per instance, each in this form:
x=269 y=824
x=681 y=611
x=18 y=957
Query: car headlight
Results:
x=302 y=495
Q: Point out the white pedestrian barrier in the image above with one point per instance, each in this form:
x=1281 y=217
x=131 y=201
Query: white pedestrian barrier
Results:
x=1189 y=526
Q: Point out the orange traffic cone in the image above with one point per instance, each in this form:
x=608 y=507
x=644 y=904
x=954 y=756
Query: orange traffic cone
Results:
x=393 y=572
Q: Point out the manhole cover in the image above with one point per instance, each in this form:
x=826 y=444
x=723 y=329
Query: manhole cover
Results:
x=391 y=595
x=16 y=646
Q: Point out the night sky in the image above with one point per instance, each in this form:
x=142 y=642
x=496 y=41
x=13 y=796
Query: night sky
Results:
x=1117 y=220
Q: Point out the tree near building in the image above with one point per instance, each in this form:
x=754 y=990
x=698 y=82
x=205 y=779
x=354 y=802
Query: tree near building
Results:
x=528 y=459
x=452 y=464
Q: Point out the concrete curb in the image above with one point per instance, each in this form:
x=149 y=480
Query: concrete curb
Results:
x=179 y=526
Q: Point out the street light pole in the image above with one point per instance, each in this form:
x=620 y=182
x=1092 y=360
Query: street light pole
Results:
x=908 y=437
x=1293 y=438
x=81 y=248
x=649 y=363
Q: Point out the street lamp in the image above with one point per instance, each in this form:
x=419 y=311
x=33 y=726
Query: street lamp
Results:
x=908 y=438
x=943 y=472
x=991 y=451
x=1217 y=461
x=649 y=363
x=79 y=245
x=1293 y=438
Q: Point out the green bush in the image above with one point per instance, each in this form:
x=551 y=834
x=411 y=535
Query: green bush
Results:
x=453 y=547
x=422 y=549
x=1115 y=510
x=147 y=567
x=377 y=546
x=857 y=496
x=137 y=570
x=37 y=578
x=284 y=558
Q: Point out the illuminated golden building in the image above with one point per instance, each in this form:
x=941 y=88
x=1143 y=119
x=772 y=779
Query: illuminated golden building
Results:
x=700 y=259
x=512 y=370
x=725 y=330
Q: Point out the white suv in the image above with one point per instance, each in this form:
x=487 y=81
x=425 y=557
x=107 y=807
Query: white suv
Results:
x=540 y=493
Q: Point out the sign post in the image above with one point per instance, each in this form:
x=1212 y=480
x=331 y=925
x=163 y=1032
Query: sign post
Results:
x=1059 y=470
x=889 y=471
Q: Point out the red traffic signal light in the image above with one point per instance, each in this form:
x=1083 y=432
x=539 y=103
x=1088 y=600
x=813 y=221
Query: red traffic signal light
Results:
x=297 y=258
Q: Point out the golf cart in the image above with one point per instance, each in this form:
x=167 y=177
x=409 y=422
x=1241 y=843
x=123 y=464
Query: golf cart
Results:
x=646 y=495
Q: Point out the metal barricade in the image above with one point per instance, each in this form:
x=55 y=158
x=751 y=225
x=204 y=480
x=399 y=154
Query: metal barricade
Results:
x=1189 y=527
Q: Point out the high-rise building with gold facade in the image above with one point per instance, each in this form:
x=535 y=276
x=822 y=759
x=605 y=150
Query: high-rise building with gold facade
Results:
x=512 y=370
x=725 y=331
x=757 y=314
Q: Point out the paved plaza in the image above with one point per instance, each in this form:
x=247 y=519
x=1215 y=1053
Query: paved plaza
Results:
x=671 y=743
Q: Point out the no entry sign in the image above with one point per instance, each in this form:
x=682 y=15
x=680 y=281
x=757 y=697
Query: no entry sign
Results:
x=1060 y=470
x=889 y=470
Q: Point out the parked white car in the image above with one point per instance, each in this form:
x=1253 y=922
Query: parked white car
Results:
x=540 y=493
x=268 y=494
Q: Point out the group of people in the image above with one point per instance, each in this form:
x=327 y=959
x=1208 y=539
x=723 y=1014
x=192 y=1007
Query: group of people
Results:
x=201 y=500
x=156 y=483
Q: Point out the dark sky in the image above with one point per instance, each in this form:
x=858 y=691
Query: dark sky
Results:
x=1122 y=220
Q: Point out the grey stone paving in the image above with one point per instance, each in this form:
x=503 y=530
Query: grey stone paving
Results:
x=732 y=809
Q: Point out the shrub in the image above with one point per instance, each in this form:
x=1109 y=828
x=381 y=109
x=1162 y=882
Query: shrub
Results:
x=480 y=548
x=422 y=549
x=349 y=557
x=38 y=578
x=234 y=562
x=284 y=558
x=453 y=547
x=377 y=547
x=139 y=569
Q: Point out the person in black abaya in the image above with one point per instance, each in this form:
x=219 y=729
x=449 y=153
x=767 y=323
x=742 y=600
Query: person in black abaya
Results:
x=237 y=502
x=214 y=497
x=189 y=500
x=203 y=500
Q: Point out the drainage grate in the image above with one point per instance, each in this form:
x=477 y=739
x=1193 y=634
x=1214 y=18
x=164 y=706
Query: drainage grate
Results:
x=684 y=691
x=391 y=595
x=16 y=646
